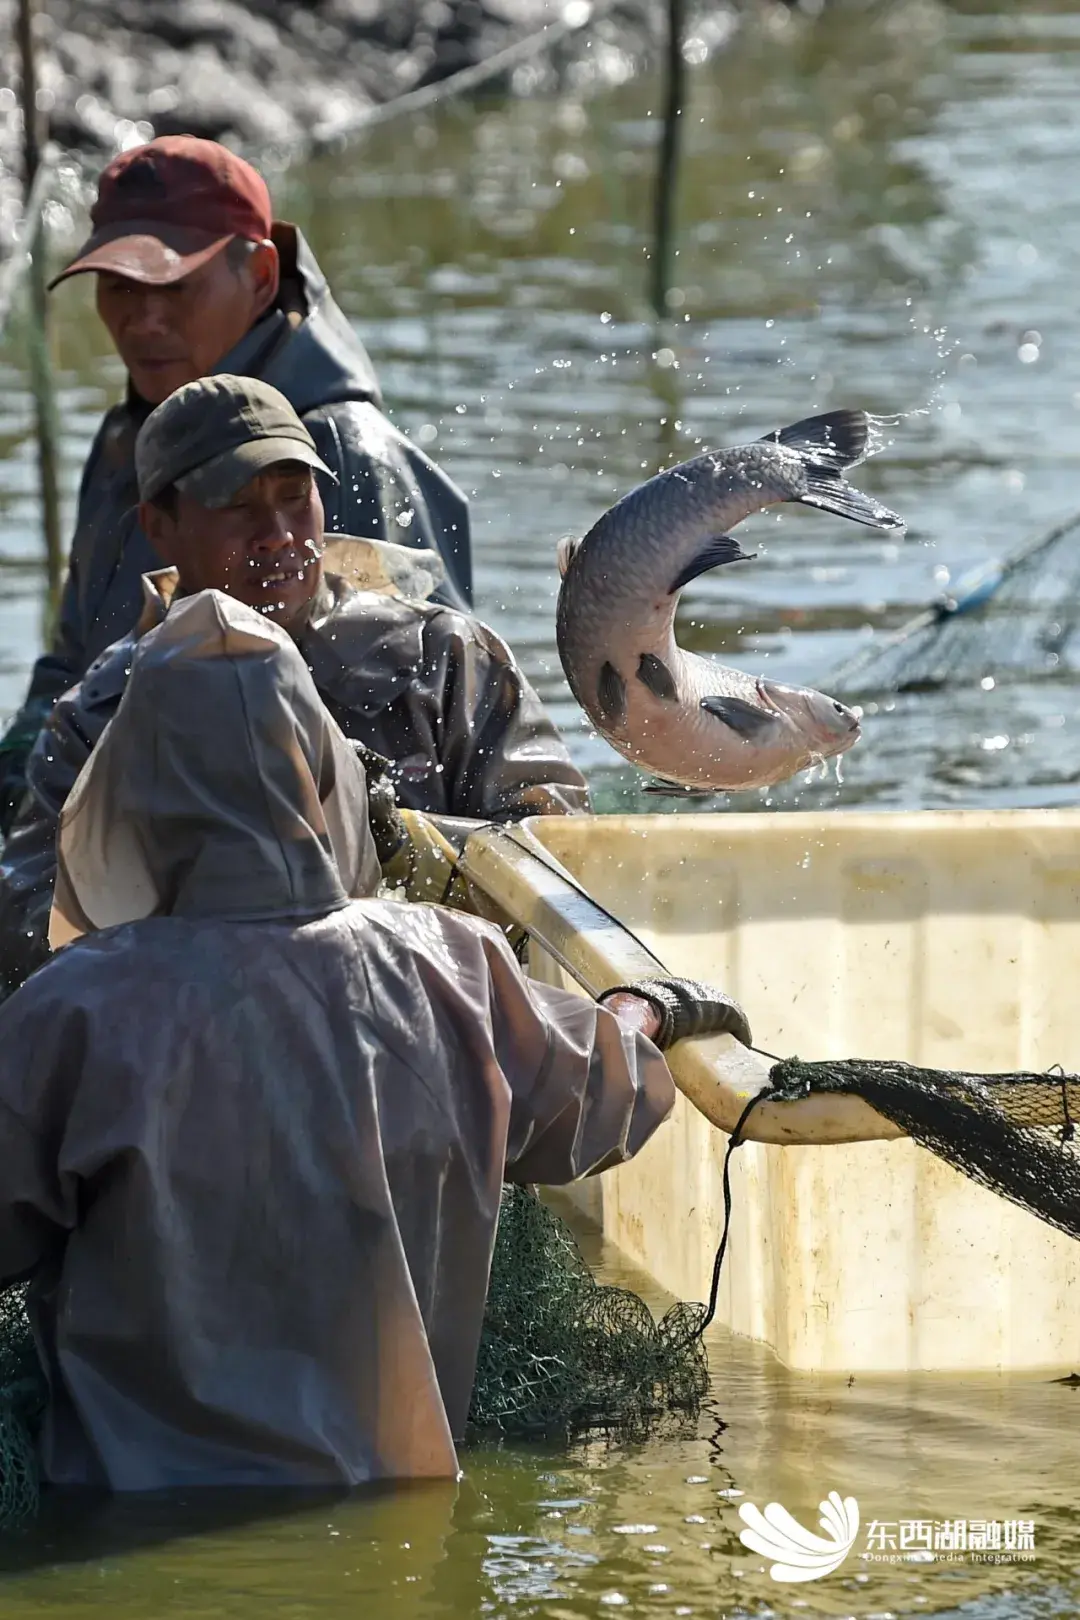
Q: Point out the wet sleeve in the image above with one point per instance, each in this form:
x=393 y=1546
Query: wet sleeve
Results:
x=504 y=757
x=28 y=866
x=586 y=1092
x=388 y=489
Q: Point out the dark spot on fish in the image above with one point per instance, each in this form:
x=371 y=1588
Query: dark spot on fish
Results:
x=653 y=673
x=611 y=695
x=746 y=719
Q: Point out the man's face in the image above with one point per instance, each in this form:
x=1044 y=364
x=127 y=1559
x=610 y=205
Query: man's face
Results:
x=167 y=336
x=265 y=548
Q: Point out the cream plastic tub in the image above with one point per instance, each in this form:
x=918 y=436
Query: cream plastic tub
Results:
x=950 y=940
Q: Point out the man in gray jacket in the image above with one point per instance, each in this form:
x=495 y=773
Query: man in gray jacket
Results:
x=227 y=473
x=195 y=276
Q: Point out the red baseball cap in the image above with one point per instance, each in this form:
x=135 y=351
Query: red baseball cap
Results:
x=165 y=208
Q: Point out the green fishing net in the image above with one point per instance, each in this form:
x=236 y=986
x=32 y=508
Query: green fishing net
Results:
x=23 y=1393
x=561 y=1356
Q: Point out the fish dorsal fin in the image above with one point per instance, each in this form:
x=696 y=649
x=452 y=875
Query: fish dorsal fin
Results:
x=836 y=439
x=722 y=548
x=565 y=552
x=745 y=719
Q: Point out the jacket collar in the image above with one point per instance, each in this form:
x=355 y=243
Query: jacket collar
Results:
x=364 y=648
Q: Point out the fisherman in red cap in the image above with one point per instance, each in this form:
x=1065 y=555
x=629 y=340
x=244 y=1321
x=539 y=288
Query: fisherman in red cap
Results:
x=195 y=276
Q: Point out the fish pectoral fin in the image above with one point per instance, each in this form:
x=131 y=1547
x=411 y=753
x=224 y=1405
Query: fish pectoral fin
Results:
x=722 y=548
x=670 y=790
x=746 y=719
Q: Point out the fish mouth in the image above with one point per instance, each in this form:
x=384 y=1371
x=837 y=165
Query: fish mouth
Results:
x=829 y=742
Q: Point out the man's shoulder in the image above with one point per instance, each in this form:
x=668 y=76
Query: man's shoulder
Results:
x=103 y=684
x=76 y=980
x=415 y=626
x=85 y=979
x=347 y=428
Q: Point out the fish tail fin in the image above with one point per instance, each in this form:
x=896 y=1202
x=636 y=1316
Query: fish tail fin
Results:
x=829 y=492
x=836 y=439
x=828 y=445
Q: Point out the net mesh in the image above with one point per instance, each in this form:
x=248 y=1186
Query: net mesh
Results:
x=1013 y=1133
x=23 y=1393
x=562 y=1355
x=1017 y=619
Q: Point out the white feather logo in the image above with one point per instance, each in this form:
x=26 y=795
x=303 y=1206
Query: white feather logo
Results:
x=799 y=1554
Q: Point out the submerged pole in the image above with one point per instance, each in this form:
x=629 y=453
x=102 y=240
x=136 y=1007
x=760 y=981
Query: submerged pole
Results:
x=41 y=378
x=667 y=171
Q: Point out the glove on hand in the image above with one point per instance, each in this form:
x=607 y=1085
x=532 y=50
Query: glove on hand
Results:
x=387 y=827
x=686 y=1008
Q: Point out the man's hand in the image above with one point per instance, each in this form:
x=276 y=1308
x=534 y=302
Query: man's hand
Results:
x=635 y=1013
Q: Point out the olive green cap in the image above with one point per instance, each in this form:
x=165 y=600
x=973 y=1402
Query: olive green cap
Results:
x=214 y=435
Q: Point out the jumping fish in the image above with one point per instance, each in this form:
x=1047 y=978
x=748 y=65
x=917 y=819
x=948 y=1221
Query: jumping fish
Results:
x=697 y=725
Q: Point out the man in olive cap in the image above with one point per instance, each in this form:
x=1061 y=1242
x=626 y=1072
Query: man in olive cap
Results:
x=227 y=478
x=194 y=276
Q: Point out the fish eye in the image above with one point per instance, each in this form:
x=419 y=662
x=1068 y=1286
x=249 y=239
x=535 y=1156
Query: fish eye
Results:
x=839 y=707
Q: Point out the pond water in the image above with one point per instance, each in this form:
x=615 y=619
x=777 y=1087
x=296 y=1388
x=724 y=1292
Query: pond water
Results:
x=877 y=211
x=650 y=1530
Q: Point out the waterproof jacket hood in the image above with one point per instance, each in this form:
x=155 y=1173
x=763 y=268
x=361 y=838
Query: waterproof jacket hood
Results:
x=305 y=346
x=266 y=818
